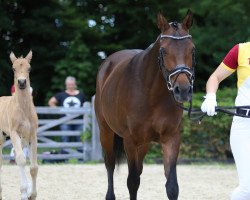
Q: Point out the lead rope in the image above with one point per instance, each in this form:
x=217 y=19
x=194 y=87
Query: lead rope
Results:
x=222 y=109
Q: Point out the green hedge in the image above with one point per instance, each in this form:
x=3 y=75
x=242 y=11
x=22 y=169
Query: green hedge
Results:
x=208 y=140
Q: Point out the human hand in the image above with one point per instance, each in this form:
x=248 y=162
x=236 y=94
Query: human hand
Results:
x=209 y=104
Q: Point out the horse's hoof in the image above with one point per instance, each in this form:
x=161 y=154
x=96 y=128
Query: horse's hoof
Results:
x=110 y=196
x=24 y=197
x=32 y=197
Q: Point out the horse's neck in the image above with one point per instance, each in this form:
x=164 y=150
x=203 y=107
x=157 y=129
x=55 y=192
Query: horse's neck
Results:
x=152 y=74
x=23 y=99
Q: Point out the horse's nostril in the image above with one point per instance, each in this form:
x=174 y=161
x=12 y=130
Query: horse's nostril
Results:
x=177 y=90
x=190 y=90
x=22 y=82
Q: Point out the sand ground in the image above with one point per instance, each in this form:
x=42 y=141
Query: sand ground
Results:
x=89 y=182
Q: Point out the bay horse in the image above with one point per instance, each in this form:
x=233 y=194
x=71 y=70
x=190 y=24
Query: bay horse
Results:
x=19 y=121
x=139 y=95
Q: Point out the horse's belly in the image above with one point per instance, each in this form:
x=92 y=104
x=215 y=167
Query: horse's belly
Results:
x=113 y=116
x=112 y=102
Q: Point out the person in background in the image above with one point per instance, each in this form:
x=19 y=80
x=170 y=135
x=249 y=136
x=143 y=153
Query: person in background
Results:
x=71 y=97
x=237 y=59
x=25 y=149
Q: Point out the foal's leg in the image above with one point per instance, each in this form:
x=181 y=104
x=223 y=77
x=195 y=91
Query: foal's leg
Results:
x=33 y=166
x=135 y=156
x=170 y=153
x=21 y=161
x=2 y=140
x=107 y=142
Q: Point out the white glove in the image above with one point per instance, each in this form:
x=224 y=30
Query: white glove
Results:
x=209 y=104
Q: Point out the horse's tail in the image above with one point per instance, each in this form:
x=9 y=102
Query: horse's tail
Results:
x=118 y=149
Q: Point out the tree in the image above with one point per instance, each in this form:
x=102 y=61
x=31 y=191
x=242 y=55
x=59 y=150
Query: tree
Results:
x=101 y=28
x=71 y=37
x=218 y=26
x=31 y=25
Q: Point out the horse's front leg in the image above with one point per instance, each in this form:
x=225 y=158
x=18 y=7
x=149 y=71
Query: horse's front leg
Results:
x=2 y=140
x=21 y=161
x=33 y=166
x=170 y=147
x=135 y=156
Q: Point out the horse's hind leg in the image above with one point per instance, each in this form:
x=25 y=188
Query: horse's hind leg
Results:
x=107 y=142
x=135 y=156
x=2 y=140
x=21 y=161
x=33 y=166
x=170 y=153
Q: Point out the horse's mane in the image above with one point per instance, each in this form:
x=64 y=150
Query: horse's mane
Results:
x=173 y=24
x=153 y=44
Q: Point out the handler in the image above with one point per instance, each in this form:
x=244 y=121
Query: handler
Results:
x=237 y=59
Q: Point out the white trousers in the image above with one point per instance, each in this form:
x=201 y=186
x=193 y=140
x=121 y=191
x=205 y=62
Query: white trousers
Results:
x=240 y=145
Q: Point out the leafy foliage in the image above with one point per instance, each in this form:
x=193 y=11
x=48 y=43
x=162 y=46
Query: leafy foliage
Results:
x=208 y=140
x=70 y=37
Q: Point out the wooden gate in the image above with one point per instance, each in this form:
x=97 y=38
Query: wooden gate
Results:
x=49 y=133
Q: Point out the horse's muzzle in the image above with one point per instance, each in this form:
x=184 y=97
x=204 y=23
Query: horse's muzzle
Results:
x=22 y=83
x=183 y=93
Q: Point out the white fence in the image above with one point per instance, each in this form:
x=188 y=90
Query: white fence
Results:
x=49 y=133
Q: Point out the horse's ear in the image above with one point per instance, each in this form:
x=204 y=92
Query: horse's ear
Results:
x=12 y=57
x=188 y=20
x=162 y=22
x=29 y=56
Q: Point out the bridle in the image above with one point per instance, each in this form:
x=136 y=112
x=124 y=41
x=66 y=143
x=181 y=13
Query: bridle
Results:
x=178 y=69
x=167 y=74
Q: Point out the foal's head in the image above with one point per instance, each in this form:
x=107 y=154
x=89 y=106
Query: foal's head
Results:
x=176 y=56
x=21 y=68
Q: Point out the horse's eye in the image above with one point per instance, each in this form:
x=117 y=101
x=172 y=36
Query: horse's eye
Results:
x=13 y=69
x=163 y=51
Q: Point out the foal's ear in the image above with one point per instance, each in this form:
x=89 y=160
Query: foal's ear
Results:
x=29 y=56
x=188 y=20
x=162 y=22
x=12 y=57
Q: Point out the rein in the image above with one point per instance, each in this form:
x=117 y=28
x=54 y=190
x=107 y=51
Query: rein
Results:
x=178 y=69
x=222 y=109
x=167 y=74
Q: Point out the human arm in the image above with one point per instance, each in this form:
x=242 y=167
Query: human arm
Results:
x=209 y=104
x=52 y=102
x=214 y=80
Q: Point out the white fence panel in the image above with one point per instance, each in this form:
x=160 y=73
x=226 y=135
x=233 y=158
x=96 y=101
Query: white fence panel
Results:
x=48 y=128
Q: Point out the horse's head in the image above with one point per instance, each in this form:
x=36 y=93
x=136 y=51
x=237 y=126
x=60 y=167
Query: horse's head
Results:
x=21 y=68
x=176 y=56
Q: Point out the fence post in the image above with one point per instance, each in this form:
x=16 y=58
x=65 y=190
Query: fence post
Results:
x=86 y=130
x=96 y=154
